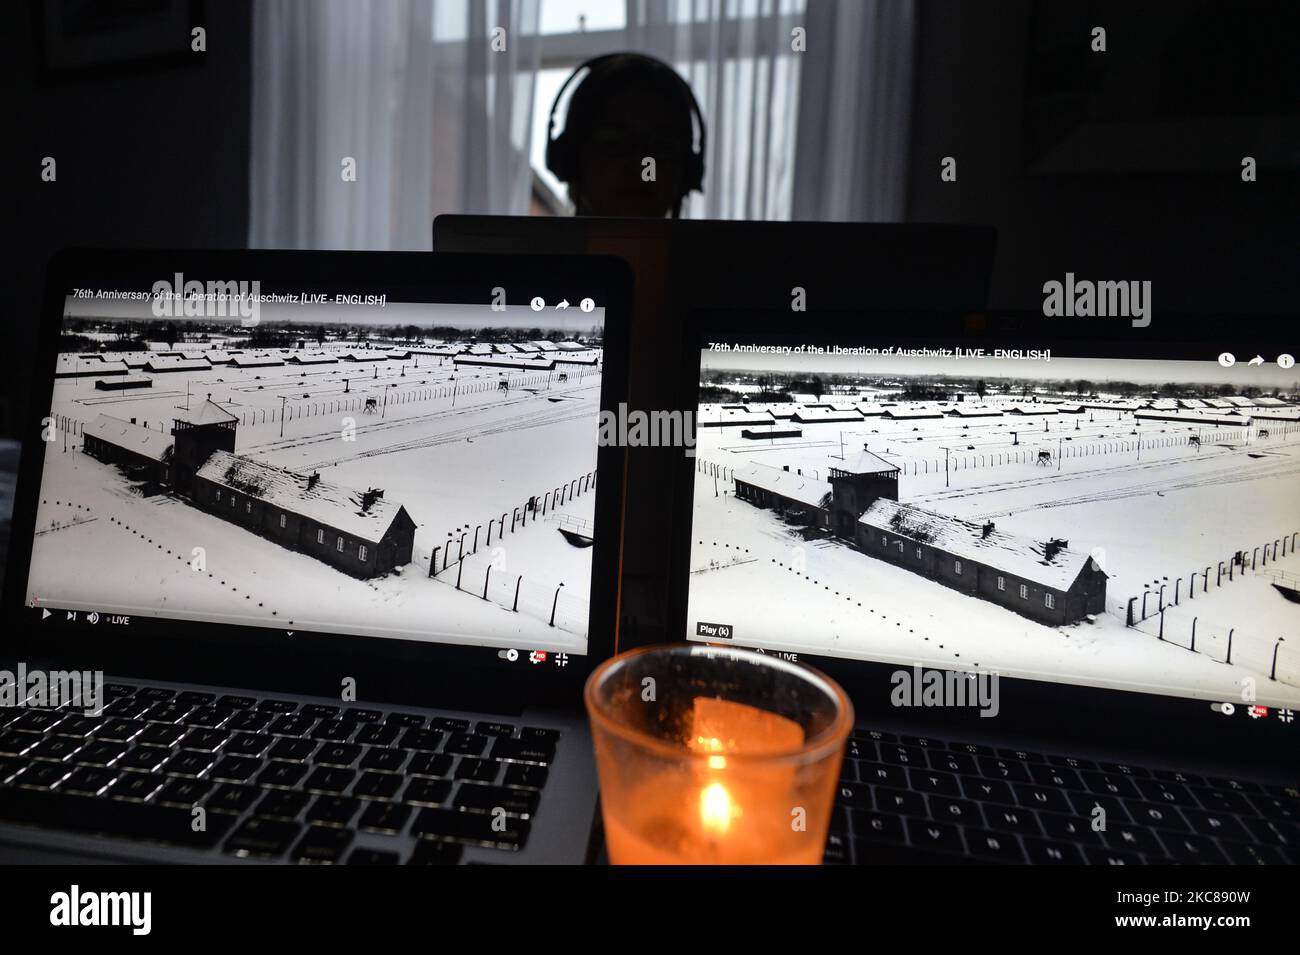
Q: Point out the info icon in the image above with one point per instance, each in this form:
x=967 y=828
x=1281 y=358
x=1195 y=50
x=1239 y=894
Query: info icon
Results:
x=587 y=305
x=1286 y=361
x=1227 y=359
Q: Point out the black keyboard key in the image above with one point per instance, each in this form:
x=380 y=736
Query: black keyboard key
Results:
x=1039 y=798
x=1194 y=850
x=1071 y=828
x=1132 y=839
x=183 y=792
x=384 y=760
x=333 y=810
x=207 y=717
x=877 y=826
x=319 y=710
x=465 y=744
x=334 y=731
x=337 y=754
x=120 y=730
x=1023 y=755
x=933 y=782
x=385 y=817
x=232 y=798
x=423 y=740
x=1097 y=855
x=87 y=781
x=525 y=776
x=901 y=755
x=989 y=790
x=378 y=734
x=260 y=837
x=293 y=750
x=932 y=836
x=296 y=725
x=134 y=820
x=875 y=736
x=1072 y=762
x=358 y=715
x=166 y=713
x=144 y=758
x=1247 y=853
x=484 y=728
x=1215 y=824
x=204 y=740
x=329 y=780
x=882 y=774
x=374 y=785
x=136 y=787
x=54 y=748
x=1156 y=815
x=155 y=694
x=995 y=846
x=971 y=749
x=79 y=727
x=449 y=724
x=279 y=774
x=472 y=828
x=838 y=849
x=539 y=734
x=277 y=706
x=1085 y=806
x=1233 y=785
x=323 y=845
x=953 y=762
x=1110 y=784
x=250 y=721
x=365 y=856
x=99 y=753
x=478 y=770
x=1221 y=800
x=427 y=792
x=231 y=702
x=1005 y=770
x=1011 y=819
x=436 y=853
x=248 y=744
x=495 y=800
x=1047 y=852
x=406 y=719
x=15 y=742
x=856 y=749
x=195 y=697
x=42 y=775
x=1125 y=769
x=281 y=804
x=235 y=769
x=428 y=764
x=963 y=812
x=523 y=751
x=188 y=764
x=1162 y=791
x=901 y=801
x=1177 y=776
x=1057 y=777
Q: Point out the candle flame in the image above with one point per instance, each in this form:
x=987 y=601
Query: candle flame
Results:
x=716 y=809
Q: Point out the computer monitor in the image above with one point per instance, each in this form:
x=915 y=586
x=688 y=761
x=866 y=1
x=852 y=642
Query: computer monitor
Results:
x=325 y=453
x=1079 y=503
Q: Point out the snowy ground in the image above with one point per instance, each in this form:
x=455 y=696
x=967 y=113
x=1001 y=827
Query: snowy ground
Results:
x=456 y=464
x=1151 y=522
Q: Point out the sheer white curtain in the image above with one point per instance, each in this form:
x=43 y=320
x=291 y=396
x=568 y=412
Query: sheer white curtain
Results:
x=817 y=133
x=413 y=92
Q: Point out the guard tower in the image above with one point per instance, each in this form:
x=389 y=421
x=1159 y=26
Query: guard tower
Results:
x=855 y=483
x=198 y=433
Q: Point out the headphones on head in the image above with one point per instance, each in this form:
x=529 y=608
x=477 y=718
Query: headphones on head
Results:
x=562 y=150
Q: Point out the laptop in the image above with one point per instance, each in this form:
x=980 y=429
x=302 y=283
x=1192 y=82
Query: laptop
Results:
x=311 y=554
x=1052 y=560
x=685 y=264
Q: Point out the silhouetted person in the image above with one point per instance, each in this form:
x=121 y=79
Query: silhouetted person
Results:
x=628 y=108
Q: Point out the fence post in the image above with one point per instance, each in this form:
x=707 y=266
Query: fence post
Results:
x=1178 y=585
x=1193 y=634
x=1231 y=631
x=1273 y=672
x=486 y=578
x=556 y=602
x=515 y=608
x=1161 y=635
x=460 y=569
x=477 y=528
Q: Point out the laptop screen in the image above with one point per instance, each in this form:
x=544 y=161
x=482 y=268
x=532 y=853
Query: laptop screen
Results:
x=1114 y=509
x=333 y=461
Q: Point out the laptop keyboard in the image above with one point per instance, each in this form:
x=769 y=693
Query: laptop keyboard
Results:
x=273 y=779
x=911 y=800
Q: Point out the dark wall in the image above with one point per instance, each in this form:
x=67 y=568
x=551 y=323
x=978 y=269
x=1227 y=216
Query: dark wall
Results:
x=149 y=154
x=1208 y=241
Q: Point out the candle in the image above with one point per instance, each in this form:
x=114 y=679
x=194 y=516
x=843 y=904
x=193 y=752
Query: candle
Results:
x=719 y=780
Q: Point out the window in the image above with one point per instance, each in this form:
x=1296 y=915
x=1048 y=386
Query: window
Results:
x=232 y=500
x=1024 y=592
x=956 y=566
x=283 y=520
x=320 y=536
x=900 y=547
x=918 y=553
x=218 y=494
x=248 y=507
x=1002 y=583
x=362 y=552
x=884 y=541
x=1049 y=601
x=339 y=546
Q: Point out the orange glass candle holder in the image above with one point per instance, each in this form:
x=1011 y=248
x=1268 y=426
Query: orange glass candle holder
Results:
x=713 y=755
